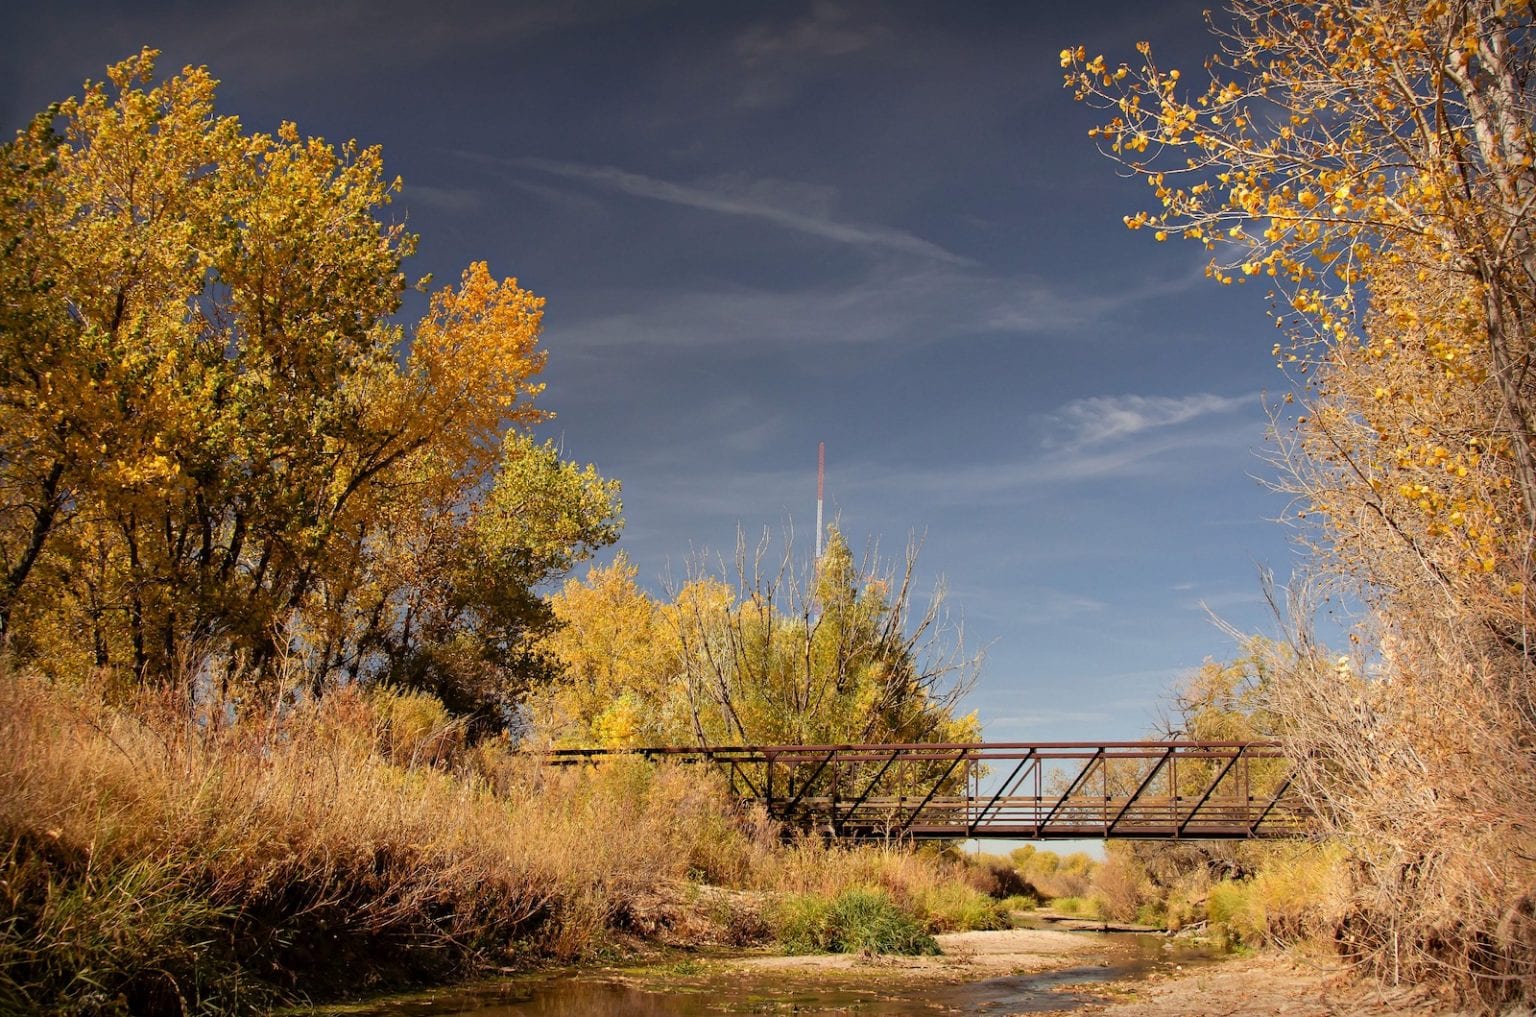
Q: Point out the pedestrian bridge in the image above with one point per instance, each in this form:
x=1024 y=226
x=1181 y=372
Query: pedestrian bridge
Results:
x=1149 y=790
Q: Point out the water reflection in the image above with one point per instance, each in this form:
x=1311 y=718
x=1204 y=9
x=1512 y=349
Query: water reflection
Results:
x=1124 y=957
x=592 y=998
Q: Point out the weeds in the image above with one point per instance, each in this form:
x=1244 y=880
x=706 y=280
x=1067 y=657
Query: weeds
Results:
x=859 y=919
x=957 y=907
x=151 y=863
x=1085 y=907
x=145 y=858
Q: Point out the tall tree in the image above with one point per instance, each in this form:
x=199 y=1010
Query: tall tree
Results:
x=212 y=434
x=1373 y=159
x=834 y=656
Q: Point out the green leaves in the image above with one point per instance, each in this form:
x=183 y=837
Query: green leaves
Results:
x=554 y=512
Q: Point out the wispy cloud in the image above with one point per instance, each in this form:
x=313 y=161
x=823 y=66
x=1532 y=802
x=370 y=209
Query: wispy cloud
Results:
x=776 y=60
x=828 y=30
x=1034 y=721
x=1001 y=481
x=1217 y=601
x=1104 y=420
x=1099 y=437
x=1053 y=607
x=1029 y=477
x=888 y=305
x=1093 y=305
x=459 y=200
x=734 y=197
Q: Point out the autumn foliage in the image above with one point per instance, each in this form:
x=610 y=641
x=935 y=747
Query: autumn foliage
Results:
x=274 y=577
x=1373 y=163
x=221 y=460
x=764 y=657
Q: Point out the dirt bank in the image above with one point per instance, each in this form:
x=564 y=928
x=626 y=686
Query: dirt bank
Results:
x=1293 y=985
x=970 y=955
x=1249 y=987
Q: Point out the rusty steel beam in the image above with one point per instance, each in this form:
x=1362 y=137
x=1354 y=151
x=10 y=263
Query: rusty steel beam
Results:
x=931 y=790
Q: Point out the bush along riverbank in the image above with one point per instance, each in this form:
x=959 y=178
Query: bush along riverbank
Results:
x=156 y=858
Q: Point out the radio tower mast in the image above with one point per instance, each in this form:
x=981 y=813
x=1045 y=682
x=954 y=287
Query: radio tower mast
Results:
x=821 y=482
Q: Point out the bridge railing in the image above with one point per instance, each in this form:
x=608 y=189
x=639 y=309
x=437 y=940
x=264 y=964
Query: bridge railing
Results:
x=1027 y=791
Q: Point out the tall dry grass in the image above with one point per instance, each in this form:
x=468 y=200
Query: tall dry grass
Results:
x=1053 y=876
x=160 y=858
x=1420 y=764
x=154 y=864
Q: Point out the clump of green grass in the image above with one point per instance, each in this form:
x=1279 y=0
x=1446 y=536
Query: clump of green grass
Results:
x=1226 y=902
x=69 y=922
x=800 y=923
x=1086 y=907
x=857 y=920
x=941 y=888
x=958 y=907
x=686 y=968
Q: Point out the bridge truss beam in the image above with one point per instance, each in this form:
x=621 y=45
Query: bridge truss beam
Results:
x=1149 y=790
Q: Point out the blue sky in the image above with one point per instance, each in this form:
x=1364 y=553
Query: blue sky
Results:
x=878 y=225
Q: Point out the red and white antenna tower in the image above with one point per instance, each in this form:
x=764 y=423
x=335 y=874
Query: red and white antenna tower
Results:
x=821 y=483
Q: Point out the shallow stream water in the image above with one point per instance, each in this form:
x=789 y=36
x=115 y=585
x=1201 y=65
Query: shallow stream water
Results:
x=688 y=989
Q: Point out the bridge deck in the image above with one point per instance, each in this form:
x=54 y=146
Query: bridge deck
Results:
x=1152 y=790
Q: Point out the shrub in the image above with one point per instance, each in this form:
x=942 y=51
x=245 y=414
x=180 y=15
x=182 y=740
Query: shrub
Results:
x=867 y=920
x=857 y=920
x=800 y=923
x=1226 y=904
x=1287 y=899
x=1120 y=887
x=1050 y=875
x=957 y=907
x=181 y=863
x=414 y=727
x=72 y=926
x=142 y=854
x=995 y=876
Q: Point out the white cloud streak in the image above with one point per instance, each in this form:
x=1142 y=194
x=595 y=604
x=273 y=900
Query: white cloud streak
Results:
x=887 y=306
x=749 y=200
x=1152 y=451
x=1104 y=420
x=454 y=200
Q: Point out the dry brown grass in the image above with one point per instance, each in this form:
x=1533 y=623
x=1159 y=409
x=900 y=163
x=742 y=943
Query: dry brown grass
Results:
x=1424 y=774
x=1053 y=876
x=157 y=858
x=313 y=840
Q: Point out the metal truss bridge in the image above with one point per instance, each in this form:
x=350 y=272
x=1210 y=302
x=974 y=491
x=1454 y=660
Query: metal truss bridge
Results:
x=1155 y=790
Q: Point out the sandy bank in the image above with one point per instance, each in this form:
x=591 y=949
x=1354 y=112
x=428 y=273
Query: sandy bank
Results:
x=1249 y=987
x=967 y=954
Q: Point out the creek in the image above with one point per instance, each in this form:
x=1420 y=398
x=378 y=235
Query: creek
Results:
x=691 y=988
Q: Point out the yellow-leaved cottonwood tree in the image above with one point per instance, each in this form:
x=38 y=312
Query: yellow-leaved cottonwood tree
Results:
x=1372 y=160
x=773 y=658
x=220 y=459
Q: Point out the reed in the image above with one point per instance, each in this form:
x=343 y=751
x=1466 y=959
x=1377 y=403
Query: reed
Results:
x=152 y=863
x=158 y=857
